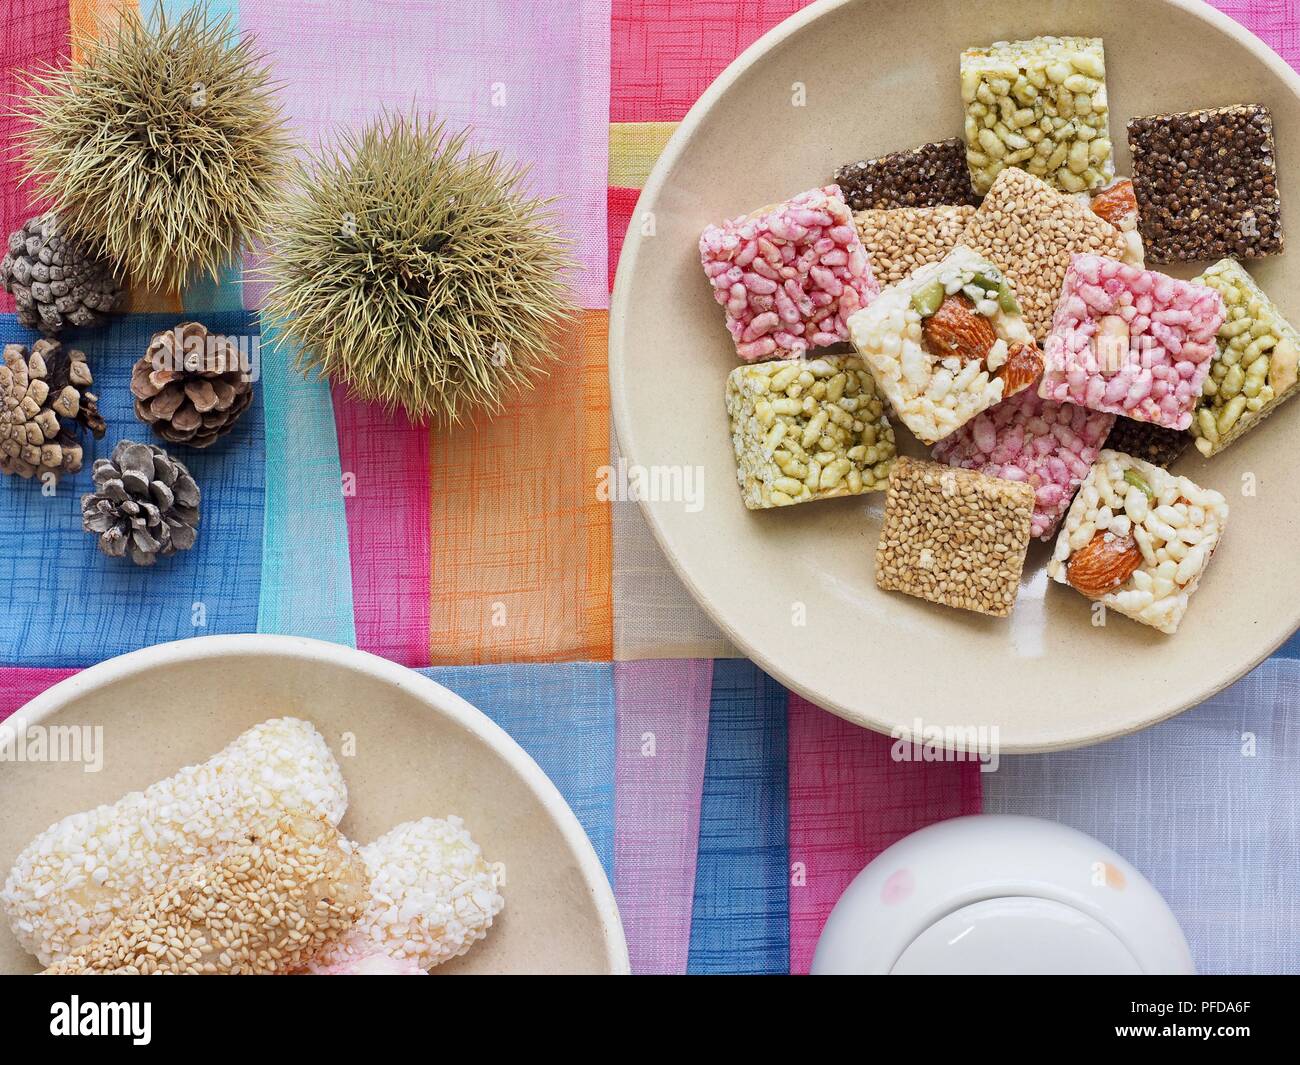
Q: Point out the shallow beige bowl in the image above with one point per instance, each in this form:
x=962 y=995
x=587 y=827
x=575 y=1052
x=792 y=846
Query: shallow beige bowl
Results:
x=420 y=751
x=878 y=76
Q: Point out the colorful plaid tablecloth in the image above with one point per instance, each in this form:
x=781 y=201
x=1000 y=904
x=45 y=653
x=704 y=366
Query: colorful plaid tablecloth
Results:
x=728 y=812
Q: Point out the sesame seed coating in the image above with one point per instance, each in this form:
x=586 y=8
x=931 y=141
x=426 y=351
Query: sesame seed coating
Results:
x=926 y=176
x=954 y=537
x=269 y=905
x=1206 y=184
x=907 y=238
x=432 y=896
x=1030 y=230
x=1151 y=443
x=69 y=883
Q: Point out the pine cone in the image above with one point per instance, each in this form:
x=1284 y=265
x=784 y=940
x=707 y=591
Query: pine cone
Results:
x=145 y=504
x=36 y=391
x=54 y=280
x=190 y=385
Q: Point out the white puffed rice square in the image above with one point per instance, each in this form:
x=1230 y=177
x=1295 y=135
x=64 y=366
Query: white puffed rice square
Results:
x=1139 y=521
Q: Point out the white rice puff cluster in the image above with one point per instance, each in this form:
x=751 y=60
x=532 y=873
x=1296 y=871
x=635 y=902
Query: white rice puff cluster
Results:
x=1177 y=531
x=432 y=896
x=932 y=396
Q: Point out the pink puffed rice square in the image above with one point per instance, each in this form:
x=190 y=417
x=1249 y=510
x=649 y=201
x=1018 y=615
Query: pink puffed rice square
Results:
x=1027 y=438
x=789 y=275
x=1131 y=341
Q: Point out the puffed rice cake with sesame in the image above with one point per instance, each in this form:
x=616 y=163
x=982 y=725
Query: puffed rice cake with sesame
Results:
x=69 y=883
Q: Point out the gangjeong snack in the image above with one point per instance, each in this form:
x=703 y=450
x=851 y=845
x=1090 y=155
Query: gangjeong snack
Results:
x=947 y=343
x=1254 y=368
x=1206 y=184
x=1132 y=342
x=1116 y=203
x=807 y=430
x=270 y=904
x=954 y=537
x=926 y=176
x=1152 y=443
x=1049 y=446
x=1138 y=539
x=1039 y=105
x=903 y=240
x=789 y=275
x=432 y=896
x=76 y=876
x=1031 y=231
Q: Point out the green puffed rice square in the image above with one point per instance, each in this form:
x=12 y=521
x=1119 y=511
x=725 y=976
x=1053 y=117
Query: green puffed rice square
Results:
x=1254 y=370
x=1040 y=105
x=807 y=429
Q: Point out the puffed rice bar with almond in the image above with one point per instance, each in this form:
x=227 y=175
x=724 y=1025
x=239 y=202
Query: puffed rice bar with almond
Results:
x=1131 y=342
x=1138 y=539
x=1039 y=105
x=789 y=275
x=1254 y=368
x=947 y=343
x=806 y=430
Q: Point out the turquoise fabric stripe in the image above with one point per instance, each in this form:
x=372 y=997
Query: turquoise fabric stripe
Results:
x=202 y=293
x=225 y=294
x=741 y=915
x=306 y=568
x=563 y=715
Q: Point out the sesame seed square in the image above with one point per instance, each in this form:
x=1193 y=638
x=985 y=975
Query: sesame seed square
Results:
x=1206 y=184
x=954 y=537
x=906 y=238
x=930 y=175
x=1031 y=230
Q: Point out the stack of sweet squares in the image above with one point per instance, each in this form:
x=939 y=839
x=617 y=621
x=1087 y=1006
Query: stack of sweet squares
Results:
x=1019 y=334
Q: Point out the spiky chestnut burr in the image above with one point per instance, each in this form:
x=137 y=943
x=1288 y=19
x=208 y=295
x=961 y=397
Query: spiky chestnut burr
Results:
x=418 y=272
x=161 y=147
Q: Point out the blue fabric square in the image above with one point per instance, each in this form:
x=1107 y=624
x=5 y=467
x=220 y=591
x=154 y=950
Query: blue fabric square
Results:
x=741 y=914
x=563 y=715
x=66 y=603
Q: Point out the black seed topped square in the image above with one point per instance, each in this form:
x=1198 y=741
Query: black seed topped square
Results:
x=1151 y=443
x=1206 y=184
x=933 y=175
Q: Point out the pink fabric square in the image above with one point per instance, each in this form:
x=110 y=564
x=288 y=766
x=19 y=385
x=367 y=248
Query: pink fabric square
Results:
x=531 y=79
x=849 y=800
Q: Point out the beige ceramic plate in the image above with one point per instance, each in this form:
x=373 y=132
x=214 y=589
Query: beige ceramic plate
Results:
x=420 y=751
x=877 y=76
